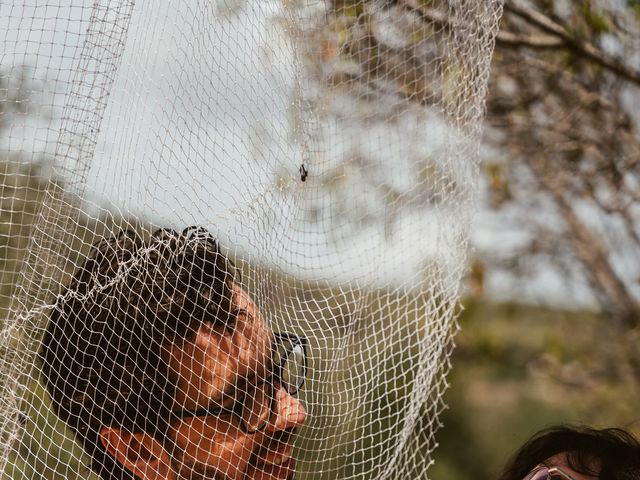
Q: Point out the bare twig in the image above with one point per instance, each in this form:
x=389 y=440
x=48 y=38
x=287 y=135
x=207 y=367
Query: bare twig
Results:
x=509 y=39
x=557 y=36
x=589 y=250
x=581 y=47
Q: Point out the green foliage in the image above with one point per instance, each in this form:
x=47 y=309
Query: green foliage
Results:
x=595 y=19
x=21 y=193
x=518 y=369
x=47 y=449
x=350 y=8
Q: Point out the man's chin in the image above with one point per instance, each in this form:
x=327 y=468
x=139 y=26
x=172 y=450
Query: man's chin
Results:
x=284 y=471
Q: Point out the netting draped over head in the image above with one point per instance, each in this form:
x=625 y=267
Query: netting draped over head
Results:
x=102 y=367
x=325 y=153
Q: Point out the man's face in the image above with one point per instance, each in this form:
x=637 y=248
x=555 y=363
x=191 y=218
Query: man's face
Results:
x=209 y=369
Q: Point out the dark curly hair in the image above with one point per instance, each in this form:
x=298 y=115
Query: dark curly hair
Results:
x=613 y=452
x=102 y=353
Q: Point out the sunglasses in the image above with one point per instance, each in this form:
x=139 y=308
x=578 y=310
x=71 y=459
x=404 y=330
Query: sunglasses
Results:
x=548 y=473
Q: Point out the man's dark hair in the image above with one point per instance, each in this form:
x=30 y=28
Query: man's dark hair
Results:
x=608 y=454
x=102 y=353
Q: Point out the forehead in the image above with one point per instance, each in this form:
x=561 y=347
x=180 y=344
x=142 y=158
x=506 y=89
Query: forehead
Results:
x=218 y=357
x=561 y=460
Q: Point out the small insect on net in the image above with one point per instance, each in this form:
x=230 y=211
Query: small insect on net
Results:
x=232 y=233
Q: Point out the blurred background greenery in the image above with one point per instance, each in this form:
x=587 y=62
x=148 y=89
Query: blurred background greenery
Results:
x=518 y=369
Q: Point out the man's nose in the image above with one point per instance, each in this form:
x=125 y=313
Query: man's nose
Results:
x=288 y=412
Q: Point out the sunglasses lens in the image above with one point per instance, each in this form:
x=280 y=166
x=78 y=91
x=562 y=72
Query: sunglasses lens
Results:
x=293 y=370
x=541 y=473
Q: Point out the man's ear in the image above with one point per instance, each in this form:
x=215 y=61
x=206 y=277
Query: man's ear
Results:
x=139 y=453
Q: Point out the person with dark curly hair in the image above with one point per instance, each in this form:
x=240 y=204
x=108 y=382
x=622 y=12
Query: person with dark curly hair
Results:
x=164 y=368
x=576 y=453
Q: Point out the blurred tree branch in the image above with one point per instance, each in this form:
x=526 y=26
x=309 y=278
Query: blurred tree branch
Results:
x=561 y=111
x=579 y=46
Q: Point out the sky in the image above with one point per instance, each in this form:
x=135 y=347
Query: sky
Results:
x=202 y=126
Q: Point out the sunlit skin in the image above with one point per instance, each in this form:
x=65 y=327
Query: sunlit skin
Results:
x=208 y=368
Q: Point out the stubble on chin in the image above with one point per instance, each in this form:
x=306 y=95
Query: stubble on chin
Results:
x=194 y=470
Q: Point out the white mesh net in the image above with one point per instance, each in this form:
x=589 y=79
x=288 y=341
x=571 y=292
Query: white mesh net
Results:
x=240 y=228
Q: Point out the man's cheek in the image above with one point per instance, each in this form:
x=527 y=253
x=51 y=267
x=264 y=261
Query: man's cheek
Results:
x=236 y=462
x=229 y=466
x=223 y=453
